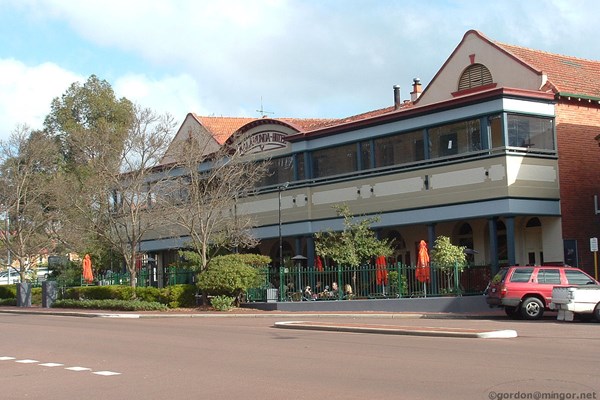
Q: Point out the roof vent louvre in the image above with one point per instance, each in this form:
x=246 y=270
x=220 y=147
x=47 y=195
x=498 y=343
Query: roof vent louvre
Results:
x=473 y=76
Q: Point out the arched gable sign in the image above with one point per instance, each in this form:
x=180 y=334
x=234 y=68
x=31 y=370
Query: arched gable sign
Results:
x=262 y=135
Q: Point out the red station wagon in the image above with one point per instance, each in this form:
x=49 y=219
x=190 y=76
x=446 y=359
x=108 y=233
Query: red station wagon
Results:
x=525 y=292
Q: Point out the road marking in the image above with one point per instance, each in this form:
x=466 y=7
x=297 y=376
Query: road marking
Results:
x=53 y=364
x=106 y=373
x=78 y=369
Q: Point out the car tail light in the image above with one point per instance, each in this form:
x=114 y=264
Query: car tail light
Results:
x=502 y=291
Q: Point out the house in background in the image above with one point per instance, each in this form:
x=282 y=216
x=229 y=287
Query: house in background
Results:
x=498 y=153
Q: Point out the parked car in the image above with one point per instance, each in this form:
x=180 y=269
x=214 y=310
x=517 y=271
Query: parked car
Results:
x=14 y=277
x=526 y=291
x=576 y=301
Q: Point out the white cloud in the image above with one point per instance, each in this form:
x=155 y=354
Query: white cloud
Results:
x=176 y=95
x=304 y=58
x=26 y=93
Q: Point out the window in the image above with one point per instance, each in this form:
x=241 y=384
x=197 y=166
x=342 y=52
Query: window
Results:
x=457 y=138
x=533 y=222
x=365 y=155
x=496 y=133
x=521 y=275
x=530 y=132
x=399 y=149
x=280 y=170
x=473 y=76
x=575 y=277
x=300 y=169
x=549 y=276
x=334 y=161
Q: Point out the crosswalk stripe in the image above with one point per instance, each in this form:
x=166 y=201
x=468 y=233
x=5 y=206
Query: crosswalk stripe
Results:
x=78 y=369
x=106 y=373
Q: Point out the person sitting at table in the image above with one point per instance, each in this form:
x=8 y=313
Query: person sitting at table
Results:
x=308 y=294
x=335 y=290
x=348 y=291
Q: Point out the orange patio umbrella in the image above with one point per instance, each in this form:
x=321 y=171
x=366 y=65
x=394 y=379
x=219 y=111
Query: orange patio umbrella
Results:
x=422 y=272
x=318 y=264
x=381 y=273
x=88 y=275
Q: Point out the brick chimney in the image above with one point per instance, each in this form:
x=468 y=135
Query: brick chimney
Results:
x=414 y=95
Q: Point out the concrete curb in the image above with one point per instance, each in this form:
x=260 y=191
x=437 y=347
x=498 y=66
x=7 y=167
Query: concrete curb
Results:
x=399 y=330
x=295 y=315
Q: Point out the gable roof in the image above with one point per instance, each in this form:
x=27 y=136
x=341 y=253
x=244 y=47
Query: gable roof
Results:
x=567 y=75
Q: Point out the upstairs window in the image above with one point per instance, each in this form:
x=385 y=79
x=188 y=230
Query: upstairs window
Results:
x=474 y=76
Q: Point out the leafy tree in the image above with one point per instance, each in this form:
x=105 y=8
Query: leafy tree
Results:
x=28 y=166
x=90 y=123
x=448 y=258
x=355 y=245
x=111 y=151
x=229 y=275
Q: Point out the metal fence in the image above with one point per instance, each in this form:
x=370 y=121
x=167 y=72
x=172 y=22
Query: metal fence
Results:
x=299 y=283
x=147 y=277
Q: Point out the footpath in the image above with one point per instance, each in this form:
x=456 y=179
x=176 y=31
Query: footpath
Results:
x=304 y=320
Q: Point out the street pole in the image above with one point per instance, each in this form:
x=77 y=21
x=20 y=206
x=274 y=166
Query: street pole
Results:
x=8 y=261
x=280 y=189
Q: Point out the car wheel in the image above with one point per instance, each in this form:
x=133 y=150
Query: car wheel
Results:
x=512 y=312
x=597 y=312
x=532 y=308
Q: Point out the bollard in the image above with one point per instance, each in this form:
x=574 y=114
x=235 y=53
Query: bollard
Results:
x=49 y=293
x=23 y=294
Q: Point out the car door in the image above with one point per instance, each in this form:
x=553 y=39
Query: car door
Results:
x=547 y=278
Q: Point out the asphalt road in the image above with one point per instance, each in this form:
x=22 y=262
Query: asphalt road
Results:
x=58 y=357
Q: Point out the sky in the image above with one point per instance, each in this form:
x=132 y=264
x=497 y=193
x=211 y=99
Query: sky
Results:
x=289 y=58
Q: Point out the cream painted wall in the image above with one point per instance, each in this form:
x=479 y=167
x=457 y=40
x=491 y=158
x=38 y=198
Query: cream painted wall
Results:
x=506 y=71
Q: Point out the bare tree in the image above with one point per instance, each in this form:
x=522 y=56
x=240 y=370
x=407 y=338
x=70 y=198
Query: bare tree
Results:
x=28 y=167
x=210 y=185
x=116 y=200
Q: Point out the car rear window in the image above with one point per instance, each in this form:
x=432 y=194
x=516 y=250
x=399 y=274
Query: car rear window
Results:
x=549 y=276
x=521 y=275
x=499 y=277
x=575 y=277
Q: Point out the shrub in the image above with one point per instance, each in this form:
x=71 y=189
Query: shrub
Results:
x=222 y=303
x=8 y=292
x=148 y=294
x=118 y=305
x=254 y=260
x=8 y=302
x=228 y=275
x=179 y=296
x=100 y=293
x=173 y=296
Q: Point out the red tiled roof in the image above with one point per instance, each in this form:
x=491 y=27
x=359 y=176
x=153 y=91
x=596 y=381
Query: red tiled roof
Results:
x=222 y=128
x=566 y=74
